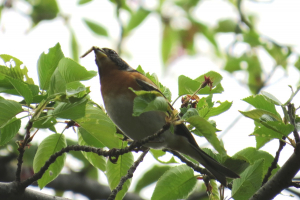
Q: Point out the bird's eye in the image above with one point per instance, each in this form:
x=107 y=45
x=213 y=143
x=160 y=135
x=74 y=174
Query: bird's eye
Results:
x=112 y=52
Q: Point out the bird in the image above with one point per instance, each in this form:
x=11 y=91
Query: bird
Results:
x=116 y=77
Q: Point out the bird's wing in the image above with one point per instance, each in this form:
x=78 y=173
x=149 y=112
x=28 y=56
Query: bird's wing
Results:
x=147 y=85
x=181 y=129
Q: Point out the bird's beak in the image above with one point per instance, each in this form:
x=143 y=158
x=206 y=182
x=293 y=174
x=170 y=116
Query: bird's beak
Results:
x=99 y=53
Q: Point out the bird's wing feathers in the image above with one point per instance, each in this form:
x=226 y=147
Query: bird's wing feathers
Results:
x=180 y=129
x=147 y=85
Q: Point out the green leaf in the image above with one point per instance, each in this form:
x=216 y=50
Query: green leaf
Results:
x=72 y=71
x=68 y=71
x=251 y=37
x=271 y=130
x=233 y=64
x=214 y=195
x=243 y=188
x=89 y=139
x=254 y=69
x=136 y=19
x=251 y=155
x=70 y=110
x=74 y=46
x=278 y=53
x=270 y=98
x=214 y=111
x=236 y=165
x=47 y=63
x=81 y=2
x=189 y=113
x=22 y=89
x=189 y=86
x=156 y=153
x=96 y=28
x=73 y=88
x=9 y=109
x=45 y=122
x=153 y=77
x=169 y=40
x=176 y=183
x=9 y=130
x=150 y=176
x=97 y=123
x=96 y=160
x=260 y=102
x=260 y=115
x=226 y=26
x=48 y=147
x=14 y=71
x=43 y=10
x=116 y=171
x=146 y=101
x=297 y=63
x=208 y=131
x=207 y=32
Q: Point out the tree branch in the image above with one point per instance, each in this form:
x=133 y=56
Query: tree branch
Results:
x=90 y=188
x=100 y=152
x=129 y=175
x=282 y=179
x=291 y=112
x=8 y=192
x=275 y=161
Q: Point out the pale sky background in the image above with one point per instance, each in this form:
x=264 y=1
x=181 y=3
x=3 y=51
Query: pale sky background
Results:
x=278 y=20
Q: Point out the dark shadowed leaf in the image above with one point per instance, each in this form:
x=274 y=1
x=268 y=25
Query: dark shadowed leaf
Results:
x=177 y=183
x=49 y=146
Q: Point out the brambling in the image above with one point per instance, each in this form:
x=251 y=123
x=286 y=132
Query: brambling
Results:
x=116 y=76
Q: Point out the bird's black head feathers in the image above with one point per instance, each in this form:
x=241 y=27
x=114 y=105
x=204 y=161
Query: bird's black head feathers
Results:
x=113 y=56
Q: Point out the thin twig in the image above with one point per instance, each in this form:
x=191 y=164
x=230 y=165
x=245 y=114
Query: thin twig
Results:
x=291 y=112
x=295 y=184
x=275 y=161
x=242 y=16
x=129 y=175
x=111 y=153
x=21 y=149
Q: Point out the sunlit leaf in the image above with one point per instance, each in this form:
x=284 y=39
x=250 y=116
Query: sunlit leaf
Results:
x=97 y=123
x=136 y=19
x=226 y=26
x=43 y=10
x=189 y=86
x=96 y=28
x=271 y=98
x=259 y=102
x=47 y=63
x=74 y=46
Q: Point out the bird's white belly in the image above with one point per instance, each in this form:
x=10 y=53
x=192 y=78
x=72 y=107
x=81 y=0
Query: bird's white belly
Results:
x=120 y=111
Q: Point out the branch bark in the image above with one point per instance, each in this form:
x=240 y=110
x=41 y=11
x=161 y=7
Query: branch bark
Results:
x=282 y=179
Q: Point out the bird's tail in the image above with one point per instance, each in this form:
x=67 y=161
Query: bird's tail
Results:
x=218 y=170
